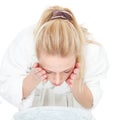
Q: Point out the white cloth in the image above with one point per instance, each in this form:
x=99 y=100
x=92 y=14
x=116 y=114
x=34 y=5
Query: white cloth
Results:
x=46 y=94
x=53 y=113
x=20 y=57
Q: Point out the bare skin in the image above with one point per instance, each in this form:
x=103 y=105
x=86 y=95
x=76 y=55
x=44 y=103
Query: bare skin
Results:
x=63 y=69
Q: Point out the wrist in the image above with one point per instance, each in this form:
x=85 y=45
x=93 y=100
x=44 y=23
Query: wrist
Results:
x=29 y=83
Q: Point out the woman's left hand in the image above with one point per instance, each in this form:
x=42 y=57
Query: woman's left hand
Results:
x=73 y=77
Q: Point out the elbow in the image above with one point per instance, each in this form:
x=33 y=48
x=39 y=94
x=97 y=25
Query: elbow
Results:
x=88 y=105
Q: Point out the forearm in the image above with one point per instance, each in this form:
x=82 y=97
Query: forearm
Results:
x=29 y=83
x=36 y=75
x=84 y=96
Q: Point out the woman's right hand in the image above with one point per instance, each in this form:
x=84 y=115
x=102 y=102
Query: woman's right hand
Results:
x=36 y=75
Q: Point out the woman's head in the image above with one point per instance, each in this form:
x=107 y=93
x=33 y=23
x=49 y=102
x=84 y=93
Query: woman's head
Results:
x=58 y=37
x=58 y=68
x=58 y=34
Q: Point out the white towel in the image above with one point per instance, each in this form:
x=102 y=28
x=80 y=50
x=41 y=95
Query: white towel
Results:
x=53 y=113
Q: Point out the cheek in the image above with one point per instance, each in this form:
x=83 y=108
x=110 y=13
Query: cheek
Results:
x=67 y=75
x=50 y=77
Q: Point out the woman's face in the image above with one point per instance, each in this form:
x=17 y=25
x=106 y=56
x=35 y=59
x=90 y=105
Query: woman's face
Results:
x=58 y=68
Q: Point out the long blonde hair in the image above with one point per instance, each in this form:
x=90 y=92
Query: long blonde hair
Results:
x=61 y=36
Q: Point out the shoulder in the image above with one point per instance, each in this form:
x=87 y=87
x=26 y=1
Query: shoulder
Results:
x=93 y=50
x=22 y=47
x=25 y=35
x=24 y=40
x=96 y=60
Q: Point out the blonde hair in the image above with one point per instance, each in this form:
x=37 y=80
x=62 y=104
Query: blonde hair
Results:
x=61 y=36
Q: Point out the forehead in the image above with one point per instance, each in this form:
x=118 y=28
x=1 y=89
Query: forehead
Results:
x=56 y=63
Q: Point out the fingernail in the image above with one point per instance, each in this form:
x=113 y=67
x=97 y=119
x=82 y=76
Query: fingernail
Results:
x=72 y=77
x=78 y=64
x=75 y=71
x=35 y=65
x=45 y=76
x=43 y=72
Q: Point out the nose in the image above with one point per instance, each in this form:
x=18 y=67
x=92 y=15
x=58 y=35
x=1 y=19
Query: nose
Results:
x=57 y=81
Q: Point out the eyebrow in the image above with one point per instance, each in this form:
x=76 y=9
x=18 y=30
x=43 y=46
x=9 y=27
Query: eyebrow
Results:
x=61 y=71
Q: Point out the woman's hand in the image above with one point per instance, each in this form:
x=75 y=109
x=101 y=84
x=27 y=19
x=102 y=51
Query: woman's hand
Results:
x=72 y=81
x=73 y=77
x=80 y=91
x=36 y=75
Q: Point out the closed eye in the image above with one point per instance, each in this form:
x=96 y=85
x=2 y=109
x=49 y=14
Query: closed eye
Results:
x=49 y=72
x=67 y=71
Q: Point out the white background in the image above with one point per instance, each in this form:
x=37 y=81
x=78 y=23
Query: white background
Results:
x=101 y=17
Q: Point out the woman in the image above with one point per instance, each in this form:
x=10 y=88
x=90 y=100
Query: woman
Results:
x=53 y=64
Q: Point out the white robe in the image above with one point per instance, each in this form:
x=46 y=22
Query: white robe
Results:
x=20 y=57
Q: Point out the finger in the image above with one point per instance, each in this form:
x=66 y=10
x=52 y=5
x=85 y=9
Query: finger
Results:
x=73 y=76
x=75 y=71
x=40 y=77
x=68 y=81
x=77 y=65
x=45 y=76
x=42 y=73
x=36 y=70
x=35 y=65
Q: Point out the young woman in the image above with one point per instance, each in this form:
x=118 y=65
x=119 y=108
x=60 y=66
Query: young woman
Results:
x=53 y=63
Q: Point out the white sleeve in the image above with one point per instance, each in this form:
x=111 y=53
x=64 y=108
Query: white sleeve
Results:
x=96 y=69
x=13 y=70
